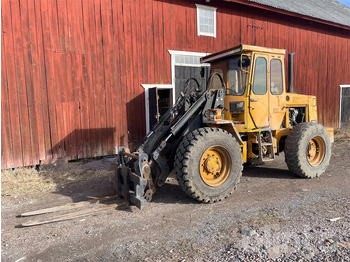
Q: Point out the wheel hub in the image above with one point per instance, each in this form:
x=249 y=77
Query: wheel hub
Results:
x=212 y=164
x=215 y=166
x=316 y=151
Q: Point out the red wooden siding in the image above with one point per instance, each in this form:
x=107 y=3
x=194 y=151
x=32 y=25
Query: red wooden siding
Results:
x=71 y=71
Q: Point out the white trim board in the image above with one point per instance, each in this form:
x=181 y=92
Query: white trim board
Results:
x=173 y=63
x=341 y=92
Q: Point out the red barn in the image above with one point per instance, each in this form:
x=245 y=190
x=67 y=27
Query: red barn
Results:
x=78 y=76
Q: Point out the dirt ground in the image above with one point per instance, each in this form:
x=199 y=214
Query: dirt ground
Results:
x=272 y=216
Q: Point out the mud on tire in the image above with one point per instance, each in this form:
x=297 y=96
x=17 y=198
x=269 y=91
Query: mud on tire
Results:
x=308 y=150
x=189 y=159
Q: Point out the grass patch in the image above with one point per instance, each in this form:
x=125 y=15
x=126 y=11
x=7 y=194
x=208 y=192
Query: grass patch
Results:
x=342 y=133
x=55 y=178
x=25 y=180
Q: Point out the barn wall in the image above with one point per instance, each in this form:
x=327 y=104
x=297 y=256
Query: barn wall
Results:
x=71 y=70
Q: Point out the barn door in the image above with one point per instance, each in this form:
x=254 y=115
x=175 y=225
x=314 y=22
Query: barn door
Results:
x=344 y=106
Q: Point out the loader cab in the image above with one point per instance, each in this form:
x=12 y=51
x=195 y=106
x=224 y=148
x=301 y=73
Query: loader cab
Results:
x=255 y=86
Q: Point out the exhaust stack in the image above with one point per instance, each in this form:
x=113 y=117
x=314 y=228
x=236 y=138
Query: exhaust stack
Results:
x=290 y=72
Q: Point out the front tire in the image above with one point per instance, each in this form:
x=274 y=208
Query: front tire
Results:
x=308 y=150
x=208 y=164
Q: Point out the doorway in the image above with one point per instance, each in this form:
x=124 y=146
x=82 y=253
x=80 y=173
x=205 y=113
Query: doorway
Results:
x=344 y=109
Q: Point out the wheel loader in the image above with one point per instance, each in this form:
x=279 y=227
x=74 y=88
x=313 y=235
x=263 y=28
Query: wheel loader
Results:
x=244 y=114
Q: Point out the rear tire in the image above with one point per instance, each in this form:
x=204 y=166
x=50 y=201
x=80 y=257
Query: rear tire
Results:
x=208 y=164
x=308 y=150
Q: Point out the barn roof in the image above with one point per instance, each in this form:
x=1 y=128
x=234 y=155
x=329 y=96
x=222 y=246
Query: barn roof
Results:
x=326 y=10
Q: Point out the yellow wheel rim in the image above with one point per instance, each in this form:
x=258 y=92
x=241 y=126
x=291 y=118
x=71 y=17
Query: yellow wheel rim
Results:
x=215 y=166
x=316 y=151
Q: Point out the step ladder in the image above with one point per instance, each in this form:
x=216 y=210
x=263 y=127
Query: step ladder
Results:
x=268 y=145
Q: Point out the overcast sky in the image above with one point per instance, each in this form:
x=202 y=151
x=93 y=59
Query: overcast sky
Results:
x=345 y=2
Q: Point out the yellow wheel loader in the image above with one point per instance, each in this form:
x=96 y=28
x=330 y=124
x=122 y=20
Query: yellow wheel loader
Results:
x=243 y=114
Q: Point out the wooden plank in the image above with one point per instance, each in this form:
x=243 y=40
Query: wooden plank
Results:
x=72 y=215
x=67 y=206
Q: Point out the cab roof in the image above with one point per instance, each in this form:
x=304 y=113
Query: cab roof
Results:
x=240 y=49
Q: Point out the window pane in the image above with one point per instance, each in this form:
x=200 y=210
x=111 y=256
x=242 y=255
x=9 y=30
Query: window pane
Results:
x=204 y=29
x=276 y=84
x=188 y=59
x=260 y=81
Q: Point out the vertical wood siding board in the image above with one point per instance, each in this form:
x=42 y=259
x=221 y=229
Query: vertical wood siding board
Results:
x=105 y=85
x=74 y=128
x=120 y=58
x=35 y=69
x=108 y=64
x=115 y=107
x=100 y=92
x=51 y=88
x=43 y=82
x=6 y=135
x=89 y=34
x=78 y=27
x=132 y=94
x=21 y=83
x=139 y=29
x=129 y=86
x=139 y=123
x=156 y=41
x=79 y=108
x=89 y=73
x=150 y=40
x=116 y=77
x=96 y=147
x=31 y=90
x=165 y=54
x=70 y=80
x=167 y=18
x=86 y=82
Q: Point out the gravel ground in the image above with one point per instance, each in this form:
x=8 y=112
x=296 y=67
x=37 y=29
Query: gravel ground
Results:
x=272 y=216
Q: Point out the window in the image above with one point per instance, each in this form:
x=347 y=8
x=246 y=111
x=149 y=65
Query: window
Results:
x=206 y=20
x=260 y=81
x=276 y=77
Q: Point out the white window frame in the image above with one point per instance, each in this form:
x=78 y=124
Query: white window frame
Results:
x=173 y=54
x=341 y=96
x=209 y=8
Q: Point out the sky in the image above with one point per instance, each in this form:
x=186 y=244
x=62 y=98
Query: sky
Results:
x=345 y=2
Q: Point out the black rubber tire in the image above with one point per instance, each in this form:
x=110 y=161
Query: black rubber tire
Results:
x=187 y=164
x=296 y=150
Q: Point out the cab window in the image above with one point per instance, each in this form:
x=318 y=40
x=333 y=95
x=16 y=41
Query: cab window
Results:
x=260 y=76
x=276 y=77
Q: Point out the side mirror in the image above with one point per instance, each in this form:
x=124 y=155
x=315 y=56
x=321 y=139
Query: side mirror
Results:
x=244 y=61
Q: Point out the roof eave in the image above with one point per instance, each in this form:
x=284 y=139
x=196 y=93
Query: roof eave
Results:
x=285 y=12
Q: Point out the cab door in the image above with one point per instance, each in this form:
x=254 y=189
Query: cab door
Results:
x=277 y=92
x=259 y=95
